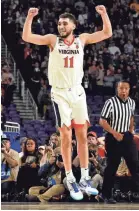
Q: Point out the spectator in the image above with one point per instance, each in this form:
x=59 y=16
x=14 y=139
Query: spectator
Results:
x=93 y=139
x=109 y=83
x=92 y=78
x=119 y=30
x=3 y=118
x=135 y=7
x=21 y=18
x=36 y=73
x=22 y=145
x=106 y=57
x=128 y=47
x=44 y=99
x=132 y=79
x=44 y=63
x=54 y=141
x=6 y=74
x=29 y=164
x=41 y=150
x=97 y=166
x=50 y=178
x=2 y=95
x=118 y=75
x=27 y=50
x=9 y=88
x=9 y=167
x=100 y=79
x=83 y=16
x=79 y=3
x=113 y=49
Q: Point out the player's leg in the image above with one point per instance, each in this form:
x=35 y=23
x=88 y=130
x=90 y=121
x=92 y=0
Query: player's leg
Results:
x=81 y=120
x=66 y=135
x=82 y=146
x=85 y=181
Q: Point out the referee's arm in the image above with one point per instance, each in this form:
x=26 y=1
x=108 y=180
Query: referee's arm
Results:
x=131 y=128
x=105 y=114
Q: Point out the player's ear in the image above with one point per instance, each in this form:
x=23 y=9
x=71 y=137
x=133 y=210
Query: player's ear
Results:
x=74 y=27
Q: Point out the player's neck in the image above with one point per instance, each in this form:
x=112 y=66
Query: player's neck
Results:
x=69 y=39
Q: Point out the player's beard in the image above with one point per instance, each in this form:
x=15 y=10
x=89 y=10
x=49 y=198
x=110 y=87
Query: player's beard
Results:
x=66 y=35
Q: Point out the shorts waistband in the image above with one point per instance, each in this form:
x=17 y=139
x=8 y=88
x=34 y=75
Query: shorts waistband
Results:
x=68 y=88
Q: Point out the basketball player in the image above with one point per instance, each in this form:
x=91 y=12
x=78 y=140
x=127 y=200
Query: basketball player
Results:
x=65 y=73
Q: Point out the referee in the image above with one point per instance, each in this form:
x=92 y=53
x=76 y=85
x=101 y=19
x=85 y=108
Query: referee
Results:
x=117 y=118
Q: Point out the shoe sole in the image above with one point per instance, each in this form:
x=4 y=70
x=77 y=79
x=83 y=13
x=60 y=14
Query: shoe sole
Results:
x=90 y=192
x=76 y=199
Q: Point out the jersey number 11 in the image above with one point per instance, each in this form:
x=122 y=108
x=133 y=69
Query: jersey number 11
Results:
x=68 y=62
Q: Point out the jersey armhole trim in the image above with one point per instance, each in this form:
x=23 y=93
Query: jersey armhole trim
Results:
x=82 y=44
x=51 y=47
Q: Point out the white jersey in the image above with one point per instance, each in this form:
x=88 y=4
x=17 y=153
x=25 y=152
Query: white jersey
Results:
x=65 y=68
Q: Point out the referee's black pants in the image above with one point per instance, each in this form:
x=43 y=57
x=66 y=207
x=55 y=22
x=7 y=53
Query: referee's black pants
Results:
x=115 y=150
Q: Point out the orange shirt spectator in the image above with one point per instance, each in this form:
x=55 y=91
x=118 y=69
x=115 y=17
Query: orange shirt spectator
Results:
x=134 y=6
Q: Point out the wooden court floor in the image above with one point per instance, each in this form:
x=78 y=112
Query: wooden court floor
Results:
x=68 y=206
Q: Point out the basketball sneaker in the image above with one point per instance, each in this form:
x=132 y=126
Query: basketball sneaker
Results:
x=85 y=186
x=74 y=190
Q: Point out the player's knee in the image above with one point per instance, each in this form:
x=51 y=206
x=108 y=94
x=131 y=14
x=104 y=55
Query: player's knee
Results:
x=65 y=133
x=82 y=144
x=82 y=139
x=66 y=142
x=66 y=145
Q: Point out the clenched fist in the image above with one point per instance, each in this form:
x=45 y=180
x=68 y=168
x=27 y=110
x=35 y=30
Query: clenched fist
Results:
x=33 y=12
x=118 y=136
x=101 y=9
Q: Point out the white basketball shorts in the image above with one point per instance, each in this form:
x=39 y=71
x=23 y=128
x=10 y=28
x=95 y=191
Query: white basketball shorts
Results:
x=70 y=106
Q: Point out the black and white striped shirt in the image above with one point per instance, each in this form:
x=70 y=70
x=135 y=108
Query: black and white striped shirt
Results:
x=118 y=113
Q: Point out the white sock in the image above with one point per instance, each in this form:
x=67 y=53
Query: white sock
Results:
x=70 y=175
x=84 y=173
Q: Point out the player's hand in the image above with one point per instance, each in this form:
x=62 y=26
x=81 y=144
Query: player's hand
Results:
x=101 y=9
x=33 y=12
x=118 y=136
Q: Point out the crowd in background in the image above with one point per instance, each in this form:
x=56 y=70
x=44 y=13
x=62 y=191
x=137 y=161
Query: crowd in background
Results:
x=105 y=63
x=7 y=84
x=37 y=173
x=7 y=89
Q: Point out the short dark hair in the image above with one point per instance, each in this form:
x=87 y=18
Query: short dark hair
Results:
x=123 y=81
x=70 y=16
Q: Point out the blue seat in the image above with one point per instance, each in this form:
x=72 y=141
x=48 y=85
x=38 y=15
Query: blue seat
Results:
x=136 y=130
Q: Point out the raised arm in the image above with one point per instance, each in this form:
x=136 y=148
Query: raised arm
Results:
x=105 y=33
x=28 y=36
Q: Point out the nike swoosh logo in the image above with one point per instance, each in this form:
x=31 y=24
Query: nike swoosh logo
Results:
x=80 y=94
